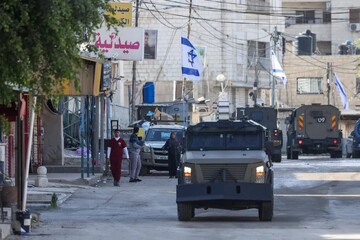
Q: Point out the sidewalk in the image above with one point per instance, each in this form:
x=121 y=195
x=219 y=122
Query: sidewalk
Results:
x=62 y=184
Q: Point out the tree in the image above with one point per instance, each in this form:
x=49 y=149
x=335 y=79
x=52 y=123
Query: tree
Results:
x=40 y=42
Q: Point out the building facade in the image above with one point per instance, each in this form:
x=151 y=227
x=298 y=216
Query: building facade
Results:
x=234 y=38
x=310 y=74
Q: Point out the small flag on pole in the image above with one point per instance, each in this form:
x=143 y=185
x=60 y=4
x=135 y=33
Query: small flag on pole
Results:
x=341 y=90
x=192 y=66
x=277 y=70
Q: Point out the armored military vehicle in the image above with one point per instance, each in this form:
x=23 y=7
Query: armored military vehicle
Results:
x=266 y=116
x=225 y=166
x=314 y=129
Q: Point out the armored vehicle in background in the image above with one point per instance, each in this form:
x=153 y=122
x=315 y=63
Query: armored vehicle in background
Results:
x=314 y=129
x=224 y=165
x=266 y=116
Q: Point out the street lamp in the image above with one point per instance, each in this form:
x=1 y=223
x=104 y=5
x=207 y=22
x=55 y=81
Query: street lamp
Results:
x=221 y=78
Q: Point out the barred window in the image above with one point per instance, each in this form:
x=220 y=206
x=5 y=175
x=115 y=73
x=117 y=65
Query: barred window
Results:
x=310 y=85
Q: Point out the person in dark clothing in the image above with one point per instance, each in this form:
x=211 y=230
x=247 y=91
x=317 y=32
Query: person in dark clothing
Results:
x=117 y=147
x=172 y=145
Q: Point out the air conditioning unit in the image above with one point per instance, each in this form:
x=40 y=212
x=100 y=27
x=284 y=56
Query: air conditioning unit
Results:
x=354 y=27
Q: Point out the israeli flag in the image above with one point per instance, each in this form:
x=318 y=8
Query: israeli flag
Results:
x=192 y=66
x=277 y=70
x=341 y=90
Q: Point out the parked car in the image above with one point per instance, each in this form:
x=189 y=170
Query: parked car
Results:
x=152 y=155
x=352 y=145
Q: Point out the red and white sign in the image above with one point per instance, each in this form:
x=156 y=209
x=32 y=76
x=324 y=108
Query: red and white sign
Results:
x=123 y=44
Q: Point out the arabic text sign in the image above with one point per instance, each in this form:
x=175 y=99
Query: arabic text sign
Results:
x=126 y=44
x=123 y=12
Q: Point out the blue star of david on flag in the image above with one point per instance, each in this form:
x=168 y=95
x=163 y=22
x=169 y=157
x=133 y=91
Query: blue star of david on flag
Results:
x=192 y=66
x=191 y=57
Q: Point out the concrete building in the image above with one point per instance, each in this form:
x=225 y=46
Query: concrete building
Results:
x=335 y=23
x=235 y=38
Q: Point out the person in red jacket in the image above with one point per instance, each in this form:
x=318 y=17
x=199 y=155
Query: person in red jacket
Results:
x=117 y=147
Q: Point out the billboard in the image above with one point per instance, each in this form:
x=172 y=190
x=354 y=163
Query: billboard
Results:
x=120 y=43
x=123 y=12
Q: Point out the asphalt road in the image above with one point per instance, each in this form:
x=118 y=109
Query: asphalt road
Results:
x=314 y=199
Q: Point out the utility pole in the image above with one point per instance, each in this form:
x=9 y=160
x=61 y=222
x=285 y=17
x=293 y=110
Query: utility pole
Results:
x=275 y=37
x=190 y=9
x=132 y=113
x=184 y=80
x=328 y=81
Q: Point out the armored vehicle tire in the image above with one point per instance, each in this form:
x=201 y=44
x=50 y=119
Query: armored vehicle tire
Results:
x=276 y=157
x=185 y=211
x=144 y=171
x=266 y=211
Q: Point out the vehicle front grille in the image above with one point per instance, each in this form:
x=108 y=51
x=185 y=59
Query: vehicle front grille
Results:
x=231 y=172
x=161 y=156
x=159 y=151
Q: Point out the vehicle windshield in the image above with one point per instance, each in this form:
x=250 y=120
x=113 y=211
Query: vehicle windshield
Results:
x=225 y=141
x=163 y=134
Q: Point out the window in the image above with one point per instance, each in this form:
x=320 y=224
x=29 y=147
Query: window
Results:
x=257 y=49
x=309 y=85
x=307 y=16
x=357 y=85
x=225 y=141
x=258 y=5
x=354 y=16
x=327 y=17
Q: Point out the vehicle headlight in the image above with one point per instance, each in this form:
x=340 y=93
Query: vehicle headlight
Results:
x=260 y=174
x=146 y=149
x=187 y=175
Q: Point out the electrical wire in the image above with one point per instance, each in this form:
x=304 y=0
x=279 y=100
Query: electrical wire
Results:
x=273 y=13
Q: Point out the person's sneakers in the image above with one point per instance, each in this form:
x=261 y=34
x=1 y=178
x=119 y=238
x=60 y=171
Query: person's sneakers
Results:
x=132 y=180
x=138 y=180
x=116 y=183
x=171 y=177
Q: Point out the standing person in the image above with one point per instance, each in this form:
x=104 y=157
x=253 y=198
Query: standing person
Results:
x=135 y=161
x=117 y=147
x=172 y=145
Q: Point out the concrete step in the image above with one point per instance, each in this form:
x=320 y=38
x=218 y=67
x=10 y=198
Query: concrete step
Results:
x=71 y=169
